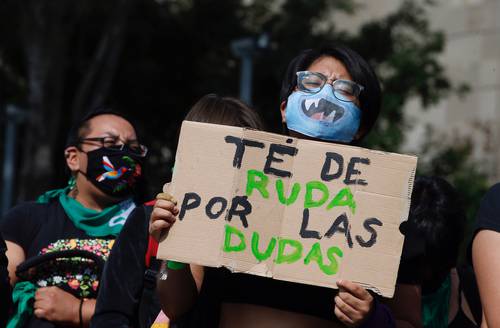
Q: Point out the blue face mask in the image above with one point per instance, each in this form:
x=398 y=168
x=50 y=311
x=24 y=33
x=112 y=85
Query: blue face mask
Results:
x=322 y=116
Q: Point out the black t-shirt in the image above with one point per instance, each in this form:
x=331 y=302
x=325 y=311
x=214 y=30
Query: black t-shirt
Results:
x=488 y=216
x=121 y=293
x=229 y=287
x=221 y=286
x=43 y=228
x=39 y=228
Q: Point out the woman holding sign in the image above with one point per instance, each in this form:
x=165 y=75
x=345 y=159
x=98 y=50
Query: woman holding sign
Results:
x=126 y=296
x=328 y=94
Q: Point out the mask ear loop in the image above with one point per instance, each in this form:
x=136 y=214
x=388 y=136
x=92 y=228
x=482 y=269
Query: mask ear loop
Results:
x=80 y=171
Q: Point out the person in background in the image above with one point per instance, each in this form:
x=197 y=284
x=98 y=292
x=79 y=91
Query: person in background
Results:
x=485 y=255
x=105 y=158
x=126 y=297
x=346 y=94
x=437 y=220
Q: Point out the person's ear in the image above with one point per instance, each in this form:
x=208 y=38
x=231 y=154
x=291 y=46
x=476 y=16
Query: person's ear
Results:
x=282 y=110
x=72 y=159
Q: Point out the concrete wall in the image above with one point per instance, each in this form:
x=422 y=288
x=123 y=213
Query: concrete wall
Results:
x=472 y=55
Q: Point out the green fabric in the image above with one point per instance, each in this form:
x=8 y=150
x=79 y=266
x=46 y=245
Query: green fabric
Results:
x=103 y=223
x=107 y=222
x=22 y=295
x=436 y=306
x=173 y=265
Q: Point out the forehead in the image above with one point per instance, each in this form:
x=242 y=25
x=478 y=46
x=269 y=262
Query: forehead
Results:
x=330 y=67
x=110 y=124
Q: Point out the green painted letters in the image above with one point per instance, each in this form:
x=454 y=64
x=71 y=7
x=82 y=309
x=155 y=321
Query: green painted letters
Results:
x=281 y=192
x=260 y=185
x=316 y=256
x=343 y=198
x=333 y=268
x=291 y=257
x=310 y=186
x=255 y=247
x=230 y=231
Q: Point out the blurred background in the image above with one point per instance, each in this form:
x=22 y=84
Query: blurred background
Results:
x=438 y=61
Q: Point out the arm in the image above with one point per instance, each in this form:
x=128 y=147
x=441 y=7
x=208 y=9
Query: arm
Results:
x=15 y=255
x=486 y=259
x=179 y=291
x=122 y=281
x=19 y=227
x=483 y=322
x=48 y=301
x=381 y=316
x=355 y=307
x=406 y=306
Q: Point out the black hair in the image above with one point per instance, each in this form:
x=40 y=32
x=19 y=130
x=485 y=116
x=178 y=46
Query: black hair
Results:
x=82 y=126
x=359 y=69
x=437 y=216
x=215 y=109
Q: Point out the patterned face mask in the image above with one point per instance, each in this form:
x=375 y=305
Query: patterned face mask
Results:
x=114 y=172
x=322 y=115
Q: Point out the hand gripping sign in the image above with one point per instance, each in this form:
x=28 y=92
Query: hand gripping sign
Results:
x=290 y=209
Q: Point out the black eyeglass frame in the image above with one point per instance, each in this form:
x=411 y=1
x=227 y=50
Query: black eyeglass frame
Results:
x=142 y=150
x=357 y=88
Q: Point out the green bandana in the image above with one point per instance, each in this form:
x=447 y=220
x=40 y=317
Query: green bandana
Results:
x=103 y=223
x=436 y=306
x=22 y=295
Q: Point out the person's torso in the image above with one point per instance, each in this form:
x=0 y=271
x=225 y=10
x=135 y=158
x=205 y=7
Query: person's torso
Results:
x=56 y=232
x=222 y=289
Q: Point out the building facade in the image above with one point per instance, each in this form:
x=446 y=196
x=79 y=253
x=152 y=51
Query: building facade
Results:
x=471 y=56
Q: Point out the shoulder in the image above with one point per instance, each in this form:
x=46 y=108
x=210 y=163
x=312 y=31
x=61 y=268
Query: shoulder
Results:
x=136 y=225
x=139 y=216
x=22 y=222
x=25 y=207
x=25 y=213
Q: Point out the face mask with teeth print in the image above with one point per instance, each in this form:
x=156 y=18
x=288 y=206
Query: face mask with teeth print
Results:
x=322 y=116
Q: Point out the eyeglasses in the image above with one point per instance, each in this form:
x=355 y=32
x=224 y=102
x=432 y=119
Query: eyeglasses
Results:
x=313 y=82
x=114 y=143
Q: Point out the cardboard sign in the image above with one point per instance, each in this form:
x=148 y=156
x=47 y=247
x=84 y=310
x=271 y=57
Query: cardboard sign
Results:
x=291 y=209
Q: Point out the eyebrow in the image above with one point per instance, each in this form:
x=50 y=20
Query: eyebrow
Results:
x=336 y=76
x=109 y=134
x=104 y=135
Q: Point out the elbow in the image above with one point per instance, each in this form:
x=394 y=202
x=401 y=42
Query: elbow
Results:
x=174 y=313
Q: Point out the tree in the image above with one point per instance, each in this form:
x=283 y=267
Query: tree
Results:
x=44 y=52
x=153 y=59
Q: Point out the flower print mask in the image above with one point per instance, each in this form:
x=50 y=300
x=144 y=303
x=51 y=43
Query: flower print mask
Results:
x=114 y=172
